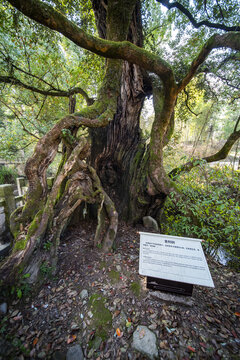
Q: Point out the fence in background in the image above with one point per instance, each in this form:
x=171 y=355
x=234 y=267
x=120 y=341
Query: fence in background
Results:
x=11 y=199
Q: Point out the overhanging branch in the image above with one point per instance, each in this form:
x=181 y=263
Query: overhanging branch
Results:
x=220 y=155
x=196 y=24
x=230 y=40
x=53 y=19
x=61 y=93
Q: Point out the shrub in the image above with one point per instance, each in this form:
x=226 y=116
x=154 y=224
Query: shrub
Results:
x=7 y=175
x=211 y=195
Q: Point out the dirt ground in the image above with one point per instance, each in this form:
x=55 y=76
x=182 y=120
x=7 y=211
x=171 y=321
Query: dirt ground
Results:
x=46 y=324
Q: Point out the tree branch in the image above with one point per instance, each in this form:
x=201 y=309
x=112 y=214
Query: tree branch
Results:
x=19 y=119
x=196 y=24
x=230 y=40
x=53 y=19
x=186 y=103
x=220 y=155
x=14 y=81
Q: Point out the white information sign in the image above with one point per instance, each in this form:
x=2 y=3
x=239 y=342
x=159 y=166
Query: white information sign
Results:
x=173 y=258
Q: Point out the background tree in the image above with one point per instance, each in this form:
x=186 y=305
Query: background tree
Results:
x=131 y=171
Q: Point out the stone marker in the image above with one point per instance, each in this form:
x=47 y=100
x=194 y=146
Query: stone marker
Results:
x=150 y=223
x=144 y=341
x=75 y=353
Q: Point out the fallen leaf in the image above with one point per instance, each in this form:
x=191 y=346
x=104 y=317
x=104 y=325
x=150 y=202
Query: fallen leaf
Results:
x=170 y=331
x=35 y=341
x=119 y=333
x=142 y=334
x=208 y=318
x=191 y=349
x=237 y=314
x=71 y=338
x=128 y=323
x=48 y=347
x=163 y=345
x=116 y=313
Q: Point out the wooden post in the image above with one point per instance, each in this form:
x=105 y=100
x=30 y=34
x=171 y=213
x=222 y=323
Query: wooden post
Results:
x=20 y=185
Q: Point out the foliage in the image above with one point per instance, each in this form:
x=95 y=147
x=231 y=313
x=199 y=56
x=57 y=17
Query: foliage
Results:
x=212 y=195
x=40 y=58
x=7 y=175
x=102 y=317
x=136 y=288
x=114 y=276
x=22 y=289
x=46 y=270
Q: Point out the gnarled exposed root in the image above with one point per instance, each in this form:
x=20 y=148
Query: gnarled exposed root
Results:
x=81 y=184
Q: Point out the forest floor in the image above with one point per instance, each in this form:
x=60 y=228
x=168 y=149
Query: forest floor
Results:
x=60 y=315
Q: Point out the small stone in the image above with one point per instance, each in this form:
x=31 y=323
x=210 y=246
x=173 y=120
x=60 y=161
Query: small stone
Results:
x=153 y=326
x=84 y=294
x=42 y=355
x=3 y=308
x=144 y=341
x=122 y=319
x=118 y=267
x=90 y=314
x=74 y=326
x=75 y=353
x=150 y=223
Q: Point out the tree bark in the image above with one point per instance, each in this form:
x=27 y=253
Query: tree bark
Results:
x=115 y=147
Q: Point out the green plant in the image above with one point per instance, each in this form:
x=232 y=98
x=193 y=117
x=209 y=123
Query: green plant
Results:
x=136 y=288
x=3 y=325
x=47 y=245
x=7 y=175
x=18 y=345
x=46 y=270
x=102 y=317
x=22 y=289
x=209 y=209
x=114 y=276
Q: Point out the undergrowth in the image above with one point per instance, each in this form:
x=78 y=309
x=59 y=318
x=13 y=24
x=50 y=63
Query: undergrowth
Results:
x=7 y=175
x=209 y=209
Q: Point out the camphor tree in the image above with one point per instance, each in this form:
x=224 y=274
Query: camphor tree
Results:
x=114 y=168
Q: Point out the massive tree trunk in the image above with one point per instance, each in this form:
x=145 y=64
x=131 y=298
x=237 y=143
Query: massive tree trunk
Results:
x=115 y=147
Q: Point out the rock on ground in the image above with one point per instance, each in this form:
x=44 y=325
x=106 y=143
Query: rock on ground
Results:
x=144 y=341
x=150 y=223
x=75 y=353
x=178 y=299
x=3 y=308
x=84 y=294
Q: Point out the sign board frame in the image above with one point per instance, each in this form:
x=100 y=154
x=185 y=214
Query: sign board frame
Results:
x=173 y=258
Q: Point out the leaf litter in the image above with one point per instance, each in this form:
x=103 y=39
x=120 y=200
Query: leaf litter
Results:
x=57 y=317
